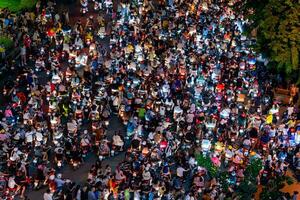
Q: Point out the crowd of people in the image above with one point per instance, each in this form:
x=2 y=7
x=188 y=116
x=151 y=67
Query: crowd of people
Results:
x=179 y=74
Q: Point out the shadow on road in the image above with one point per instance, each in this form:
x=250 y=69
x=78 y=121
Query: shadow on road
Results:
x=79 y=176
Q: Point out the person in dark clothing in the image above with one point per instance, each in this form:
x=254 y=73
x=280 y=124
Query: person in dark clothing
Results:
x=84 y=193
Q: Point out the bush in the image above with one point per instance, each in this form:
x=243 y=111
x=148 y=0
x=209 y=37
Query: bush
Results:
x=248 y=186
x=6 y=42
x=277 y=25
x=275 y=184
x=207 y=164
x=17 y=5
x=29 y=4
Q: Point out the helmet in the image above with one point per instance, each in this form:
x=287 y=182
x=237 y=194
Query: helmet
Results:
x=252 y=153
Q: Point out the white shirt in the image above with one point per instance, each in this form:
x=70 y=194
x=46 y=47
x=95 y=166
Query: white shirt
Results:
x=180 y=171
x=137 y=195
x=190 y=118
x=192 y=161
x=48 y=196
x=290 y=110
x=29 y=136
x=297 y=138
x=11 y=183
x=39 y=136
x=178 y=110
x=23 y=51
x=247 y=142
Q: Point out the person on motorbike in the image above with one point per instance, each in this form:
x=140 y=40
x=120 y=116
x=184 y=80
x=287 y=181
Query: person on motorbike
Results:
x=48 y=195
x=59 y=182
x=59 y=156
x=76 y=156
x=22 y=182
x=118 y=142
x=104 y=149
x=85 y=143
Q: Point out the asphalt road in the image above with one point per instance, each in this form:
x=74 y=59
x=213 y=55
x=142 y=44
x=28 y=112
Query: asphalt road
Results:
x=80 y=175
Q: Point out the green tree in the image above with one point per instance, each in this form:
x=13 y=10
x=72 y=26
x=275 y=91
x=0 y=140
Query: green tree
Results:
x=272 y=189
x=6 y=42
x=248 y=186
x=278 y=32
x=207 y=164
x=17 y=5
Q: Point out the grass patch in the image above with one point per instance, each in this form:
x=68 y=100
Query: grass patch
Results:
x=17 y=5
x=6 y=42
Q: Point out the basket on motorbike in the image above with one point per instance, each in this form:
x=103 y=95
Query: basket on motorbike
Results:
x=241 y=98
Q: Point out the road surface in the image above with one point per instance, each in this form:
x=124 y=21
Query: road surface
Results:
x=80 y=175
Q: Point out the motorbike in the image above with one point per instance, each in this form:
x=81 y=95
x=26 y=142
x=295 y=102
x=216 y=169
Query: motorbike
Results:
x=117 y=143
x=85 y=145
x=108 y=5
x=97 y=5
x=205 y=146
x=228 y=156
x=131 y=127
x=59 y=157
x=75 y=164
x=9 y=194
x=104 y=150
x=84 y=7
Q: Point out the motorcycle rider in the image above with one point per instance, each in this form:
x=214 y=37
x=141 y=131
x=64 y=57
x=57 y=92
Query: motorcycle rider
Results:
x=59 y=156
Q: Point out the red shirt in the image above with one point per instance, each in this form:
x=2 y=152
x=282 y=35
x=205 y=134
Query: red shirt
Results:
x=27 y=41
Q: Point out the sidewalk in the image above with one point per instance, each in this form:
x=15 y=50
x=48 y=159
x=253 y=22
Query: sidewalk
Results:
x=287 y=188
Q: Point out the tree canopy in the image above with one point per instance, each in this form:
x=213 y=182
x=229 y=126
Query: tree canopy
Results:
x=278 y=32
x=275 y=184
x=17 y=5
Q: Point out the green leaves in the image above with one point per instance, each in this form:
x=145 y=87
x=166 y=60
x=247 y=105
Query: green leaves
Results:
x=6 y=42
x=272 y=189
x=207 y=164
x=289 y=180
x=278 y=28
x=17 y=5
x=249 y=185
x=246 y=190
x=223 y=180
x=253 y=169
